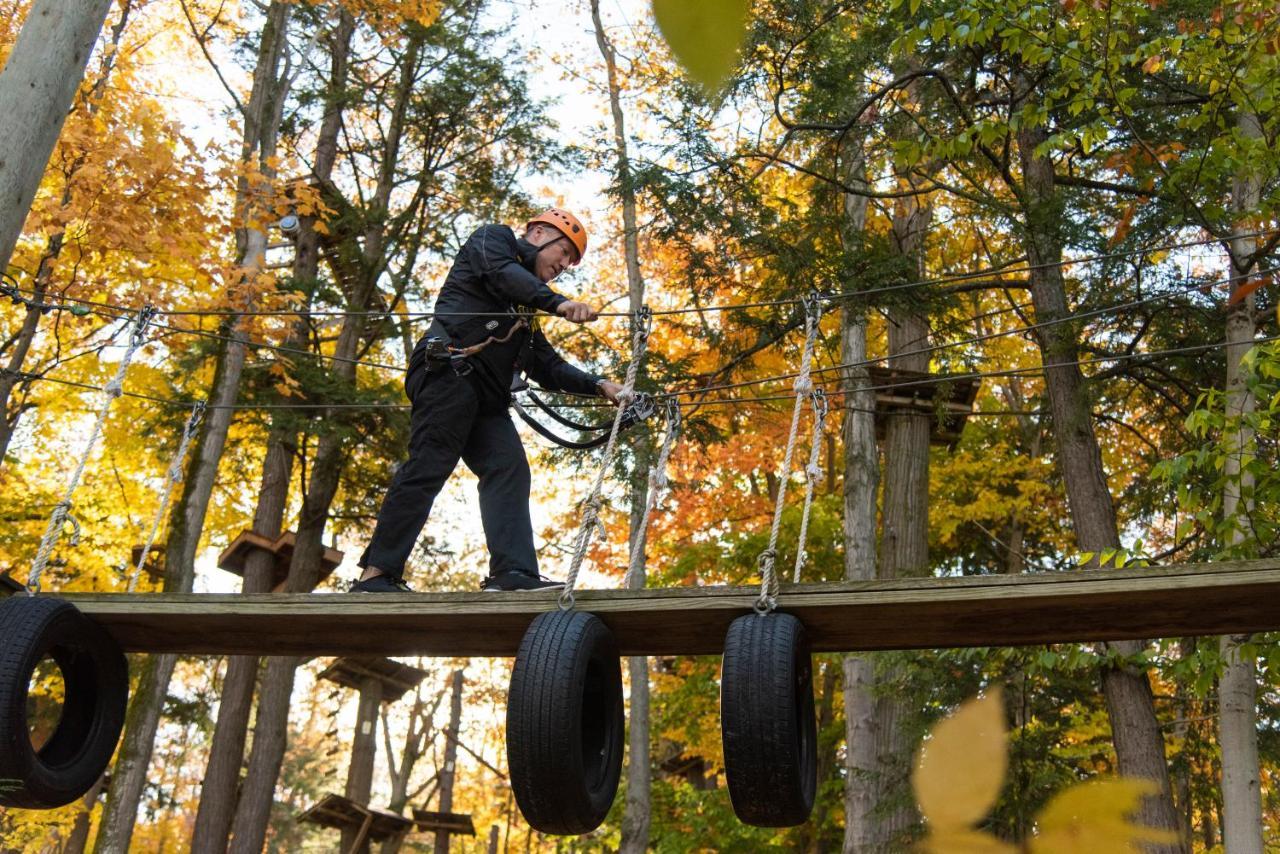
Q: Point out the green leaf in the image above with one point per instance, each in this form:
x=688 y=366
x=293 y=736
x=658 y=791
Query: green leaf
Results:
x=704 y=35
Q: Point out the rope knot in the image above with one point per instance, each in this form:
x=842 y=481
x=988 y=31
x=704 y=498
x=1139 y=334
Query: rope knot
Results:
x=804 y=384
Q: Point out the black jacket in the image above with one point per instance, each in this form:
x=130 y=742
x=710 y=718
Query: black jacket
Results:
x=493 y=274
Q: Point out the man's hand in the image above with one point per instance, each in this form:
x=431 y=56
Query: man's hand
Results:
x=610 y=390
x=578 y=312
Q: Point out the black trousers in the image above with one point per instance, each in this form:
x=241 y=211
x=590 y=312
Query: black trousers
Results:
x=452 y=420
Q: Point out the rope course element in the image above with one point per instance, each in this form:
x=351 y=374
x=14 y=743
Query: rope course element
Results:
x=768 y=599
x=171 y=479
x=812 y=473
x=657 y=485
x=62 y=510
x=979 y=273
x=978 y=339
x=591 y=505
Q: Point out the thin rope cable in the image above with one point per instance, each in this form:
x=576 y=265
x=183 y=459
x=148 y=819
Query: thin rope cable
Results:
x=937 y=280
x=657 y=485
x=730 y=401
x=171 y=479
x=812 y=474
x=768 y=598
x=62 y=510
x=976 y=339
x=591 y=505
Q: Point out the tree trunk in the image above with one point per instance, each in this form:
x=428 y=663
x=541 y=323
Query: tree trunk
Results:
x=364 y=747
x=186 y=521
x=253 y=813
x=448 y=774
x=79 y=836
x=904 y=540
x=226 y=755
x=1135 y=731
x=1242 y=827
x=861 y=482
x=37 y=85
x=636 y=815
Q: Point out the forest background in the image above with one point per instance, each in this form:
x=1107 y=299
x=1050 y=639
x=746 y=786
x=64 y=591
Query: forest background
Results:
x=1072 y=203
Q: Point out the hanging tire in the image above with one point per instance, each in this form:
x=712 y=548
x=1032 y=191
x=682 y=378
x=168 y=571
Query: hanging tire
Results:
x=565 y=723
x=95 y=677
x=767 y=720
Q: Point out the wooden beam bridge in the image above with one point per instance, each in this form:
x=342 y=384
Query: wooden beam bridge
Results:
x=992 y=610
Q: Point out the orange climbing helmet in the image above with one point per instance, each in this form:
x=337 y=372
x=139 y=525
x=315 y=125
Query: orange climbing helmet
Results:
x=567 y=224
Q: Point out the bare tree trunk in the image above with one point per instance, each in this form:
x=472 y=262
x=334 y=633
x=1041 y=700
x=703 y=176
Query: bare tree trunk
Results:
x=186 y=522
x=226 y=755
x=448 y=774
x=253 y=813
x=636 y=816
x=364 y=747
x=1135 y=731
x=37 y=84
x=904 y=539
x=1242 y=827
x=861 y=482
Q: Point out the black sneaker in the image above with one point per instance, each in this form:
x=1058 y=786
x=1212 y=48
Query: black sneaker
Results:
x=380 y=584
x=515 y=580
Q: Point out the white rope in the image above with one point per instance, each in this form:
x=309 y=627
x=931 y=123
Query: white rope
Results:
x=657 y=485
x=812 y=474
x=171 y=480
x=62 y=510
x=768 y=599
x=591 y=505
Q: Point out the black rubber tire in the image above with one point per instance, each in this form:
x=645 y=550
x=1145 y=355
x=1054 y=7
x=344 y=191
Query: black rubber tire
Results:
x=96 y=679
x=767 y=720
x=565 y=723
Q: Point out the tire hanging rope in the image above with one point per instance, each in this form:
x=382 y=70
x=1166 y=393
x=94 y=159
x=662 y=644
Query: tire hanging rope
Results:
x=657 y=486
x=62 y=510
x=591 y=505
x=812 y=473
x=768 y=599
x=171 y=480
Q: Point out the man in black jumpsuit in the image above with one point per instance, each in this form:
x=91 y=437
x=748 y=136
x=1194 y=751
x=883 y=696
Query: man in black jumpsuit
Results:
x=459 y=382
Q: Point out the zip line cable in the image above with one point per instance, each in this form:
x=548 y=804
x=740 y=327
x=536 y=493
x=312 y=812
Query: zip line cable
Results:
x=15 y=292
x=724 y=401
x=1198 y=286
x=947 y=345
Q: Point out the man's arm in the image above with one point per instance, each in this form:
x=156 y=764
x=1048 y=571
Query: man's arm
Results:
x=547 y=368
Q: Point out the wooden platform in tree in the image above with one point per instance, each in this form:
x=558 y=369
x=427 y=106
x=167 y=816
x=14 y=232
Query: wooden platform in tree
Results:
x=395 y=677
x=234 y=556
x=946 y=401
x=343 y=814
x=454 y=823
x=995 y=610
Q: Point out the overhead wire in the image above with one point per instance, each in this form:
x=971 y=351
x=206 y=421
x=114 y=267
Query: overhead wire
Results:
x=827 y=297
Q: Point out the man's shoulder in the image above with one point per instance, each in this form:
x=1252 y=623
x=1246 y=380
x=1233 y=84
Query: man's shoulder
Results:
x=504 y=234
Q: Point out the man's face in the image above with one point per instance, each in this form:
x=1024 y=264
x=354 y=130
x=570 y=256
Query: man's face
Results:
x=552 y=260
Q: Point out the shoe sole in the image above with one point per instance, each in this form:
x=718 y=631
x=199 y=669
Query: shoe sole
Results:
x=520 y=589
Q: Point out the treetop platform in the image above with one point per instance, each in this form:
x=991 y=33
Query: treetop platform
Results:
x=345 y=814
x=911 y=613
x=394 y=677
x=234 y=555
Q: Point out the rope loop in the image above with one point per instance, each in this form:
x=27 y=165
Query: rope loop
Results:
x=642 y=325
x=768 y=599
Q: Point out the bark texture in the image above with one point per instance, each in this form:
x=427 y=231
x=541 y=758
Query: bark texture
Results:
x=1242 y=825
x=904 y=537
x=1135 y=731
x=861 y=470
x=37 y=84
x=637 y=812
x=448 y=774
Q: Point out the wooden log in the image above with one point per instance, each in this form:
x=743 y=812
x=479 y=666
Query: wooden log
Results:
x=1005 y=610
